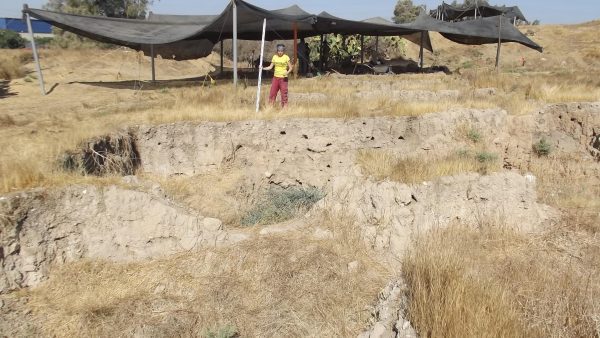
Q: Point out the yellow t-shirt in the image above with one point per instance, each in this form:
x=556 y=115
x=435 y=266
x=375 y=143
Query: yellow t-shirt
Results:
x=281 y=65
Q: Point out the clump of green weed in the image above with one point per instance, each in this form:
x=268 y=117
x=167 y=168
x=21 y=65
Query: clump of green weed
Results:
x=486 y=157
x=227 y=331
x=278 y=205
x=542 y=147
x=474 y=135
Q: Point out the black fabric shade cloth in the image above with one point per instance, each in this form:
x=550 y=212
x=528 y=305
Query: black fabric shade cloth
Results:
x=454 y=13
x=192 y=36
x=476 y=32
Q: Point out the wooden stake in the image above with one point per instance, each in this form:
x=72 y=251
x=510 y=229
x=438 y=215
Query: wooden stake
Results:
x=362 y=49
x=152 y=63
x=222 y=57
x=322 y=65
x=421 y=50
x=295 y=70
x=499 y=43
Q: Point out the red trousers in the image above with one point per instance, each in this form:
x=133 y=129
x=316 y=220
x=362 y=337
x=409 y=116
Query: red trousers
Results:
x=279 y=84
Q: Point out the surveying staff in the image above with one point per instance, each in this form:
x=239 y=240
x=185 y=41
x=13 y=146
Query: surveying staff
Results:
x=283 y=66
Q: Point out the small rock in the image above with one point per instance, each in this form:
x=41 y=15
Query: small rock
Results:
x=1 y=303
x=12 y=248
x=27 y=312
x=484 y=92
x=380 y=331
x=406 y=325
x=530 y=178
x=365 y=334
x=268 y=174
x=212 y=224
x=353 y=266
x=131 y=179
x=160 y=288
x=323 y=234
x=236 y=237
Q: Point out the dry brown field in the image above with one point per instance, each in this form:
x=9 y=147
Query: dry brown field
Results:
x=487 y=280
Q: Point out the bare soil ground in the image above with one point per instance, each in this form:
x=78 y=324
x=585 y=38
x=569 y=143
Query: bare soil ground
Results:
x=457 y=205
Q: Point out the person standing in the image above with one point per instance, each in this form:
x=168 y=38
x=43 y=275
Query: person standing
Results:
x=283 y=66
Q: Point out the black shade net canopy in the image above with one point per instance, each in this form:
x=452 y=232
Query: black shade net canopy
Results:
x=189 y=36
x=454 y=13
x=476 y=32
x=192 y=36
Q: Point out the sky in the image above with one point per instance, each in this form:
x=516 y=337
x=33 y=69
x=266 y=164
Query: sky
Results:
x=547 y=11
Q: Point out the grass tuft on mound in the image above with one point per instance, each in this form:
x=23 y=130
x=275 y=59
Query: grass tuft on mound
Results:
x=384 y=165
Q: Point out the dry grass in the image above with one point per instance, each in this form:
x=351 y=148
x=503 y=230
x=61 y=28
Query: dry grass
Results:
x=493 y=282
x=524 y=93
x=36 y=130
x=384 y=165
x=273 y=286
x=12 y=64
x=464 y=282
x=571 y=185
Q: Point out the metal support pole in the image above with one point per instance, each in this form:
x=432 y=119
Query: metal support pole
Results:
x=38 y=68
x=362 y=49
x=499 y=43
x=322 y=63
x=235 y=51
x=295 y=69
x=262 y=53
x=421 y=56
x=222 y=57
x=152 y=63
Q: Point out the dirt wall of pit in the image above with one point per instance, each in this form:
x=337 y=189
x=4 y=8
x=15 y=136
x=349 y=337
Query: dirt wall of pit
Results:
x=44 y=227
x=303 y=151
x=311 y=151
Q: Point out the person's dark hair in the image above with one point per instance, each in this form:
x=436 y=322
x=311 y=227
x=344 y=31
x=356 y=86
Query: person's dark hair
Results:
x=281 y=47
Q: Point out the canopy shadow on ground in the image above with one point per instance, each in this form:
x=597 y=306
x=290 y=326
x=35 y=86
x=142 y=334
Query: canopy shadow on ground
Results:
x=249 y=77
x=148 y=84
x=212 y=78
x=5 y=90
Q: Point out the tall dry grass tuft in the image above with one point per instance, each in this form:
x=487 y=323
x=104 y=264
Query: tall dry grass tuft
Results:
x=22 y=174
x=272 y=286
x=385 y=165
x=447 y=299
x=494 y=282
x=572 y=185
x=12 y=64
